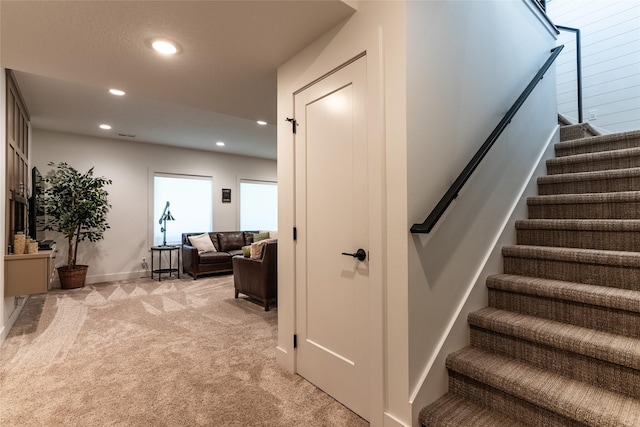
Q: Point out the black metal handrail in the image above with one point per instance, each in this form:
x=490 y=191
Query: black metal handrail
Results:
x=578 y=66
x=457 y=185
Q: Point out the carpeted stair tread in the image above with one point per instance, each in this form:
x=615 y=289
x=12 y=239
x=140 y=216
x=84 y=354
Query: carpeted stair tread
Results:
x=624 y=351
x=598 y=143
x=603 y=296
x=567 y=199
x=605 y=234
x=603 y=307
x=587 y=162
x=620 y=269
x=452 y=410
x=576 y=255
x=590 y=405
x=612 y=205
x=560 y=350
x=588 y=176
x=579 y=224
x=601 y=181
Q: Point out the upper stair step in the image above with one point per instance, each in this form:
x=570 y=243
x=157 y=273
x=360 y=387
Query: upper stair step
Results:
x=531 y=386
x=598 y=143
x=605 y=234
x=624 y=351
x=598 y=161
x=616 y=269
x=580 y=293
x=569 y=131
x=590 y=182
x=620 y=205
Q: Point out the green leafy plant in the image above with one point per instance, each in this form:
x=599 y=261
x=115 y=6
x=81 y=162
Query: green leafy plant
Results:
x=76 y=205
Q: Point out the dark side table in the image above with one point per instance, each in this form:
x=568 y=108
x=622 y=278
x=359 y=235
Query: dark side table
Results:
x=160 y=250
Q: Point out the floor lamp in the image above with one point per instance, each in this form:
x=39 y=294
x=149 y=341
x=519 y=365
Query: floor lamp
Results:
x=166 y=216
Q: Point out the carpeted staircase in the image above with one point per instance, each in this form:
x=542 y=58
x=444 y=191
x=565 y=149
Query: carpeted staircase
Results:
x=559 y=344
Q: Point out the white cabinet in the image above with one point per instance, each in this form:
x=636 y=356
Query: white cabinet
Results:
x=28 y=273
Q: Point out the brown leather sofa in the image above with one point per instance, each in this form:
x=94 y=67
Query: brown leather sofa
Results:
x=227 y=244
x=258 y=278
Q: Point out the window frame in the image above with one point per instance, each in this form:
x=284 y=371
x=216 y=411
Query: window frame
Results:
x=254 y=181
x=153 y=222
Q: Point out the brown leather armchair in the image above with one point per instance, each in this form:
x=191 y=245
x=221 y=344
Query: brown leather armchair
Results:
x=258 y=278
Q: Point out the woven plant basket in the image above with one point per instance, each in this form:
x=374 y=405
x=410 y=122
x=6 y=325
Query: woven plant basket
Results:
x=72 y=278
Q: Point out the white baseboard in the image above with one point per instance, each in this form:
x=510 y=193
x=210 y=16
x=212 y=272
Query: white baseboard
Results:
x=284 y=359
x=391 y=421
x=12 y=319
x=114 y=277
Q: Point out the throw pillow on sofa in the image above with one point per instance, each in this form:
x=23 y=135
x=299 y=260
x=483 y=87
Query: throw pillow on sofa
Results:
x=246 y=251
x=260 y=236
x=231 y=241
x=258 y=247
x=272 y=234
x=202 y=242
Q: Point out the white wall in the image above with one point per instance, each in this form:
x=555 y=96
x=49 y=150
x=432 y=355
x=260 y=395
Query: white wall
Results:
x=458 y=92
x=378 y=29
x=131 y=166
x=610 y=33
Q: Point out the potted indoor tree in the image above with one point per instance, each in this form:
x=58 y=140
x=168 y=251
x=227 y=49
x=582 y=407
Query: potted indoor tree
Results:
x=76 y=205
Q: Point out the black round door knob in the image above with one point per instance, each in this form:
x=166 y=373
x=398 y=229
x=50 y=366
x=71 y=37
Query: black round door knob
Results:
x=361 y=254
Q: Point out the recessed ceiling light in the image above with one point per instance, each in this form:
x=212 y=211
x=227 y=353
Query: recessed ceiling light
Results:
x=105 y=127
x=220 y=144
x=261 y=122
x=164 y=47
x=116 y=92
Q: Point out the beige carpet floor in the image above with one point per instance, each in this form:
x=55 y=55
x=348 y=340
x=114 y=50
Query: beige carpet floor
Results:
x=179 y=352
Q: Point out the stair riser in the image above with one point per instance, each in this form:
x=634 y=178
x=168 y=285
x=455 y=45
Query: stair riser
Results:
x=624 y=210
x=616 y=378
x=592 y=186
x=602 y=275
x=589 y=316
x=554 y=168
x=453 y=411
x=605 y=240
x=523 y=413
x=594 y=148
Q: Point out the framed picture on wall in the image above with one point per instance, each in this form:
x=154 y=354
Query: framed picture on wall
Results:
x=226 y=195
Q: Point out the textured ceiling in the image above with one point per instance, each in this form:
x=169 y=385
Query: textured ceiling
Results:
x=66 y=55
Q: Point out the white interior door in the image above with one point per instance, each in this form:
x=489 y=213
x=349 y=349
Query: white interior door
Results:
x=332 y=293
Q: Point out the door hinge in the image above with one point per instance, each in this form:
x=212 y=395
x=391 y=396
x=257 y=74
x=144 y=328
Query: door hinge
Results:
x=295 y=233
x=295 y=341
x=294 y=124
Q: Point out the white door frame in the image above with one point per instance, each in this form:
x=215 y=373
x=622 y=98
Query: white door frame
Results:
x=333 y=325
x=377 y=224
